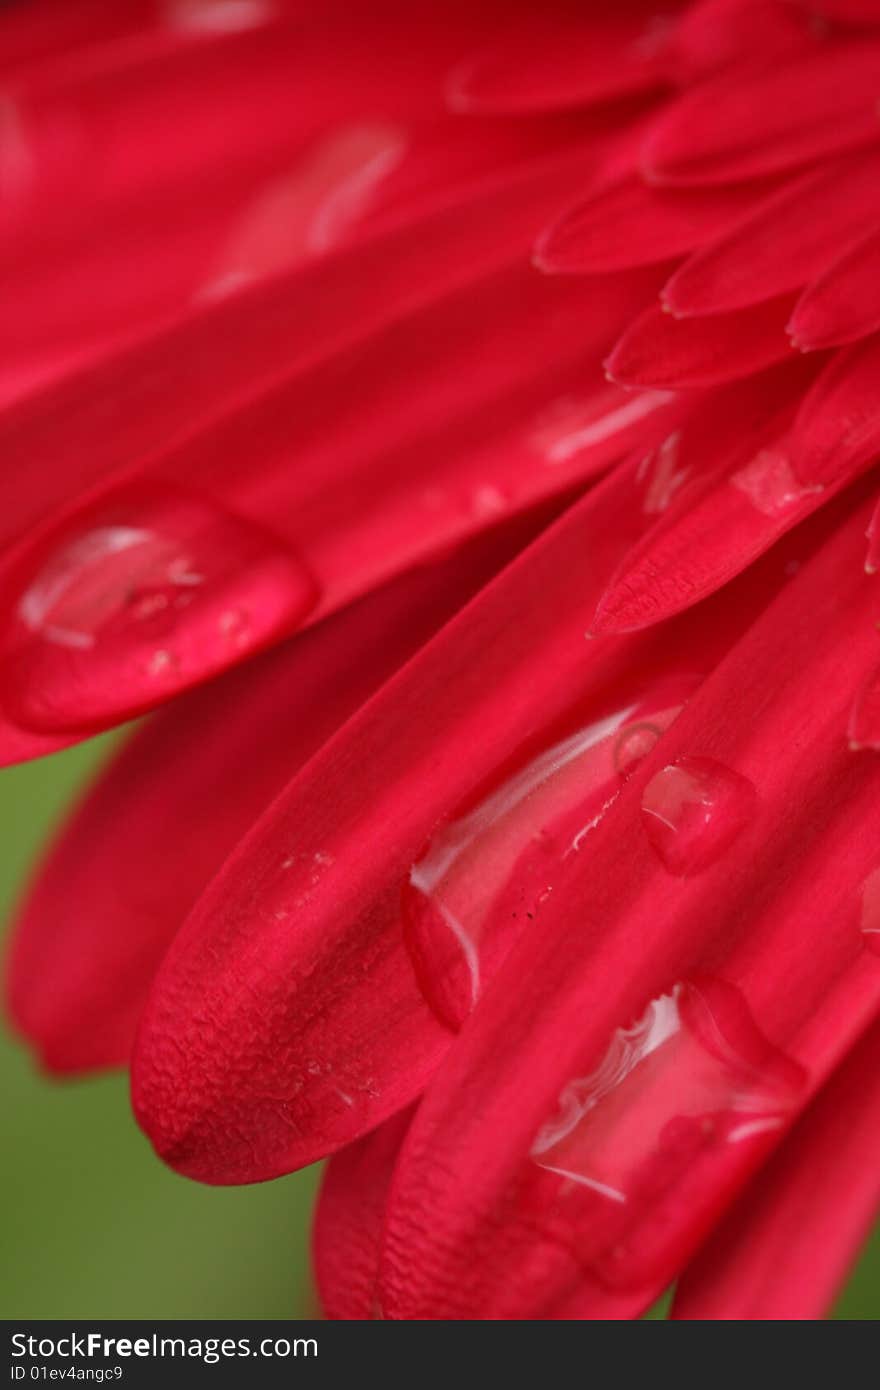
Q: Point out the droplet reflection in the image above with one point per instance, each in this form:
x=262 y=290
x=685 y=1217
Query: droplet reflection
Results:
x=693 y=810
x=487 y=872
x=148 y=592
x=640 y=1145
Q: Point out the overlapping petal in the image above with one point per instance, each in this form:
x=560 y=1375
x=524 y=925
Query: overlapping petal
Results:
x=775 y=914
x=115 y=889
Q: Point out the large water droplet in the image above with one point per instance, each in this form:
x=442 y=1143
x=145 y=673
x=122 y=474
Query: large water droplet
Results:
x=693 y=810
x=870 y=918
x=149 y=592
x=486 y=873
x=642 y=1146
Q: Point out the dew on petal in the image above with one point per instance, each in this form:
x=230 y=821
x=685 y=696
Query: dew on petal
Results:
x=693 y=810
x=486 y=872
x=149 y=592
x=870 y=916
x=769 y=482
x=661 y=475
x=309 y=210
x=218 y=16
x=680 y=1097
x=572 y=424
x=634 y=743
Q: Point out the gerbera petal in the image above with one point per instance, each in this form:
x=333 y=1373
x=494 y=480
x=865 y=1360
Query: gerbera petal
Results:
x=349 y=1219
x=781 y=244
x=675 y=354
x=714 y=34
x=784 y=1251
x=107 y=276
x=476 y=1227
x=32 y=35
x=786 y=114
x=575 y=59
x=844 y=303
x=107 y=122
x=732 y=505
x=89 y=940
x=631 y=224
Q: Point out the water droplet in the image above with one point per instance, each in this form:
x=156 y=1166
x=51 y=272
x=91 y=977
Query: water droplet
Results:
x=770 y=484
x=573 y=423
x=218 y=16
x=484 y=875
x=634 y=744
x=235 y=624
x=662 y=475
x=693 y=810
x=870 y=919
x=310 y=210
x=149 y=591
x=640 y=1146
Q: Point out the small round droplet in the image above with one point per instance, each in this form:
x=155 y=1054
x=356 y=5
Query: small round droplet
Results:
x=633 y=745
x=148 y=592
x=693 y=810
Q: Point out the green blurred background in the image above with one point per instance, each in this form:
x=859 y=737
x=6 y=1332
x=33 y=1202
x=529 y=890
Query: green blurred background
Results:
x=93 y=1225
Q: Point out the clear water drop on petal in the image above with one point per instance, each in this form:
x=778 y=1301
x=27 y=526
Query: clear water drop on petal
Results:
x=633 y=745
x=147 y=592
x=486 y=872
x=693 y=810
x=639 y=1146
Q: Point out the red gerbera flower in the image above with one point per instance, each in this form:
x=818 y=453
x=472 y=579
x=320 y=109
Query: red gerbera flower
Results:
x=566 y=949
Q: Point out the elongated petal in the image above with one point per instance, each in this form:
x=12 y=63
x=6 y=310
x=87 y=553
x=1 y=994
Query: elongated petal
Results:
x=160 y=107
x=631 y=224
x=572 y=61
x=781 y=244
x=141 y=402
x=90 y=937
x=714 y=34
x=786 y=114
x=349 y=1219
x=661 y=351
x=844 y=303
x=107 y=276
x=786 y=1248
x=666 y=1153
